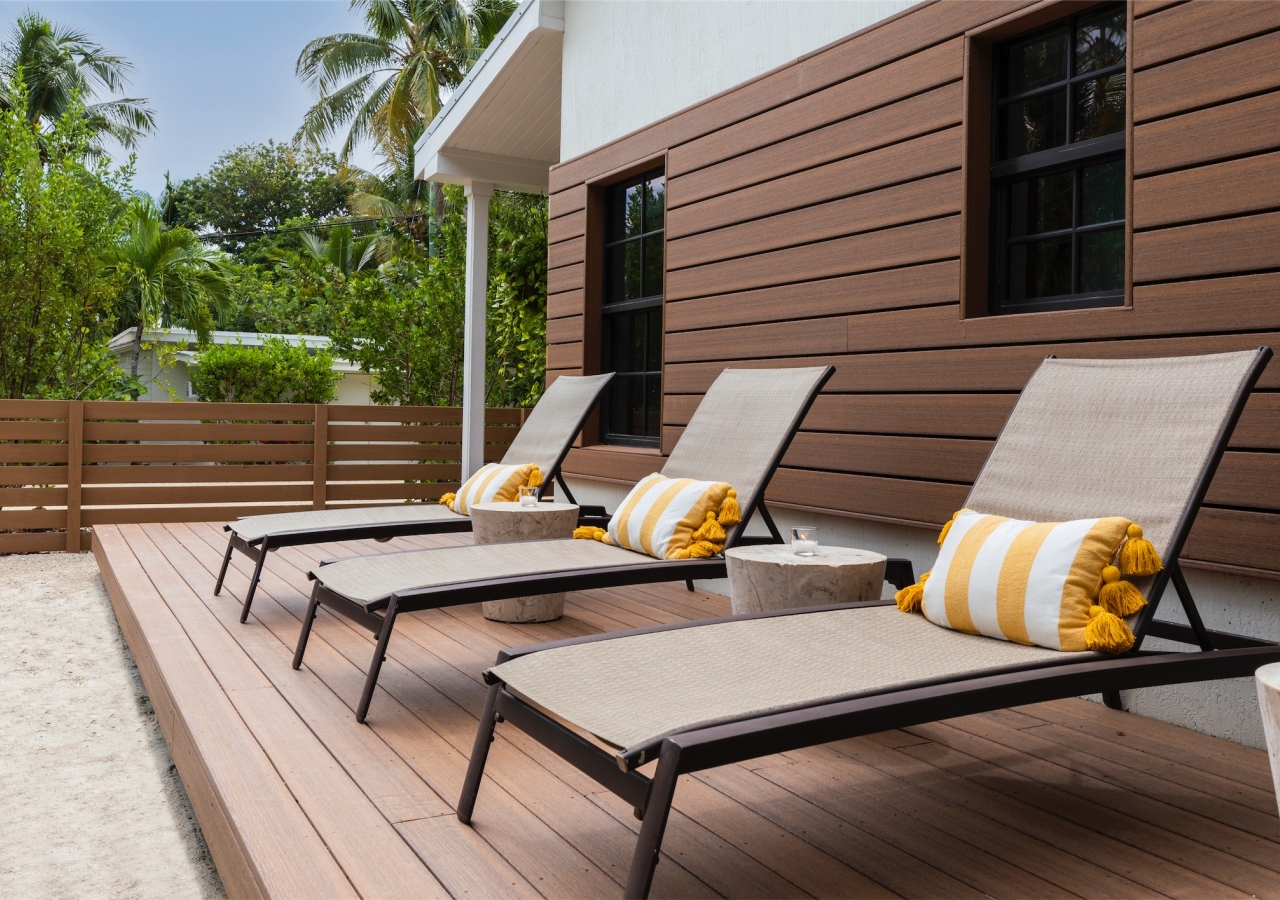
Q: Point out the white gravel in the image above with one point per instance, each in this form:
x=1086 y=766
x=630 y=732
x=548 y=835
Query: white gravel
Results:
x=90 y=803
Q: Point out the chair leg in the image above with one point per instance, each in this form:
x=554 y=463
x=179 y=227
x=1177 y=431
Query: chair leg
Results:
x=226 y=561
x=379 y=656
x=661 y=792
x=253 y=582
x=479 y=754
x=307 y=621
x=689 y=584
x=1112 y=700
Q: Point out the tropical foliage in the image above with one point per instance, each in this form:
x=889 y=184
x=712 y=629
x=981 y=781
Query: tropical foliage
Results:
x=60 y=68
x=276 y=372
x=56 y=297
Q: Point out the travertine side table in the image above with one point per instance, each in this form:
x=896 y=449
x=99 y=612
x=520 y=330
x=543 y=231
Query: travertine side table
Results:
x=504 y=523
x=1268 y=679
x=770 y=576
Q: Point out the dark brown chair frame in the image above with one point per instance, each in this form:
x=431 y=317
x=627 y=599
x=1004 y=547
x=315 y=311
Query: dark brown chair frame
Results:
x=258 y=548
x=1221 y=655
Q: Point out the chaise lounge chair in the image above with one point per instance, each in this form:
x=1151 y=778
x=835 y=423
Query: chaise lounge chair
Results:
x=738 y=435
x=544 y=439
x=1086 y=435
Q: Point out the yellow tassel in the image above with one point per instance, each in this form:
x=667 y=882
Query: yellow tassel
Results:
x=1138 y=556
x=710 y=530
x=946 y=529
x=535 y=478
x=703 y=550
x=911 y=597
x=447 y=499
x=592 y=533
x=1119 y=597
x=1107 y=632
x=730 y=514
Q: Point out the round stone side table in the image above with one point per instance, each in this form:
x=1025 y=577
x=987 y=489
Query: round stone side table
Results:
x=770 y=576
x=505 y=523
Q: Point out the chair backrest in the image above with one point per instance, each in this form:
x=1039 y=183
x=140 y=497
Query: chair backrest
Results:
x=551 y=427
x=1138 y=438
x=743 y=426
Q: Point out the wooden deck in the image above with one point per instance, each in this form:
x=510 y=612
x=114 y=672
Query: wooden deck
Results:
x=297 y=800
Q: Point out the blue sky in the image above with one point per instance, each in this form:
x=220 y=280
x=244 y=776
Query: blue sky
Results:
x=218 y=74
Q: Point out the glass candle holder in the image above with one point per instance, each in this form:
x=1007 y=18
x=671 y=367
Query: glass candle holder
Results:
x=528 y=496
x=804 y=540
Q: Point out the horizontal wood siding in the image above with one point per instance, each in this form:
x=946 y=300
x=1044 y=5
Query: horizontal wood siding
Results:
x=814 y=216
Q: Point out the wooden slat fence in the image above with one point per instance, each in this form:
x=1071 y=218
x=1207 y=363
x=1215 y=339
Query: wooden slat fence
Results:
x=67 y=465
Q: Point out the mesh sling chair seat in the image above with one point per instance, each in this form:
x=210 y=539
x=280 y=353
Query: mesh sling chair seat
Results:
x=738 y=435
x=1138 y=438
x=544 y=439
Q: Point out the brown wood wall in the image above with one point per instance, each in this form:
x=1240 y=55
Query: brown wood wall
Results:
x=814 y=216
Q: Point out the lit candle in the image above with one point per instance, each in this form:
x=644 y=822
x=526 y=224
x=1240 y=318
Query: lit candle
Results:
x=804 y=540
x=804 y=548
x=528 y=497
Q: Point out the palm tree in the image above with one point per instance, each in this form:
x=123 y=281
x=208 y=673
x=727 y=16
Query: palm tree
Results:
x=342 y=250
x=385 y=85
x=59 y=67
x=167 y=276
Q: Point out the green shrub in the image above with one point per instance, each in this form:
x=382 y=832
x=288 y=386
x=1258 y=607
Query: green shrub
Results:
x=276 y=372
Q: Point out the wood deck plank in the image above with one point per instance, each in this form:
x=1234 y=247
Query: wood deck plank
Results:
x=1047 y=800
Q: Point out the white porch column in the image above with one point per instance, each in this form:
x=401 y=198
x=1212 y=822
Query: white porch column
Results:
x=478 y=194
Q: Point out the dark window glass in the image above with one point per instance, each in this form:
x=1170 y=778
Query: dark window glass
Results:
x=1057 y=174
x=631 y=332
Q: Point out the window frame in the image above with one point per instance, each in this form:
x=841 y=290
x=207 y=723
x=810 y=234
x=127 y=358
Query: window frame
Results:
x=979 y=139
x=605 y=310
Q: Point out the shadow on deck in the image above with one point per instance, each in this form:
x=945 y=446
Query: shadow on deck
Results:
x=297 y=800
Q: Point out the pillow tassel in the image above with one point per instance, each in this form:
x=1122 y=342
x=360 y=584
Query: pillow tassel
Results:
x=1119 y=597
x=535 y=478
x=447 y=499
x=730 y=513
x=911 y=597
x=1137 y=555
x=710 y=531
x=1107 y=632
x=592 y=533
x=946 y=529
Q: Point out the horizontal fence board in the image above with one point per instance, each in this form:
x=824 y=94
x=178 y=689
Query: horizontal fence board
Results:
x=383 y=433
x=34 y=409
x=447 y=452
x=33 y=496
x=33 y=453
x=930 y=111
x=33 y=543
x=184 y=474
x=930 y=284
x=172 y=495
x=431 y=491
x=32 y=431
x=440 y=472
x=220 y=431
x=126 y=410
x=1231 y=129
x=32 y=518
x=114 y=515
x=32 y=474
x=196 y=453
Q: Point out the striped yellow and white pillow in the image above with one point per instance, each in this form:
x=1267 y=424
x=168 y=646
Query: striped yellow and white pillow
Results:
x=671 y=518
x=493 y=483
x=1033 y=582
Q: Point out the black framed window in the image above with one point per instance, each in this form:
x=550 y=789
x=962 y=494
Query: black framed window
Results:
x=1058 y=168
x=631 y=327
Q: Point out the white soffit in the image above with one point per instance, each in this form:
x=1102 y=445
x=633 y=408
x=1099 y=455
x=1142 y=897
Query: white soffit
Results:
x=502 y=124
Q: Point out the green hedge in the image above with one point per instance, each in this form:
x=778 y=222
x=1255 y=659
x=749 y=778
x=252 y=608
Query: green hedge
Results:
x=276 y=372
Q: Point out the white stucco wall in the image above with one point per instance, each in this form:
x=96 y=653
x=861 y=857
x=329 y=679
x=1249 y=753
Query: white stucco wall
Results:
x=627 y=64
x=1249 y=606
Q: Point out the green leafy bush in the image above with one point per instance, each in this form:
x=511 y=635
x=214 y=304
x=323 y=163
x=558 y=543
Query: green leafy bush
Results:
x=276 y=372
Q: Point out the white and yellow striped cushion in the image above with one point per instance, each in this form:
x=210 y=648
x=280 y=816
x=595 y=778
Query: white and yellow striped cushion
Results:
x=1028 y=582
x=660 y=515
x=493 y=483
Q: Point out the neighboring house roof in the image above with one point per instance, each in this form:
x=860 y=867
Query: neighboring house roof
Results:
x=123 y=343
x=502 y=123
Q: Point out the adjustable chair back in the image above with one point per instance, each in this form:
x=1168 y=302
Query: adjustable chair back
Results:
x=743 y=427
x=545 y=437
x=1139 y=438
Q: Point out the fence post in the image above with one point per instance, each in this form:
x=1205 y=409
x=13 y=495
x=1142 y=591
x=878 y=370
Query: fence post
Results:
x=320 y=457
x=75 y=458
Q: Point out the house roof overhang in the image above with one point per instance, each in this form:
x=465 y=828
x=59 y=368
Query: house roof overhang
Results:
x=502 y=124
